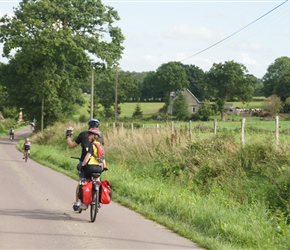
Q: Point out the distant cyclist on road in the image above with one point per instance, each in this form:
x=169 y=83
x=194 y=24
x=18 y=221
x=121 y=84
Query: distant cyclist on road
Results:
x=32 y=126
x=26 y=147
x=11 y=133
x=84 y=141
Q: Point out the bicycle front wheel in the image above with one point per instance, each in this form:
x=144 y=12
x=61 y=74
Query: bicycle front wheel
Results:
x=95 y=205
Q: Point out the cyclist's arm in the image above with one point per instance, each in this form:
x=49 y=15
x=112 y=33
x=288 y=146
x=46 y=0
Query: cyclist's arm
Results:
x=86 y=159
x=71 y=144
x=88 y=155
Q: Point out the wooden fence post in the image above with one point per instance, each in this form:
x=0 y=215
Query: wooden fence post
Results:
x=277 y=129
x=173 y=135
x=157 y=128
x=190 y=131
x=243 y=132
x=215 y=126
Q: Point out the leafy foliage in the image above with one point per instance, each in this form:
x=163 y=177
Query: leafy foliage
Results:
x=273 y=104
x=180 y=108
x=277 y=79
x=227 y=81
x=171 y=77
x=206 y=110
x=54 y=43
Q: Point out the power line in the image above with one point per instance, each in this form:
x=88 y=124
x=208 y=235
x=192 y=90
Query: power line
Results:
x=235 y=32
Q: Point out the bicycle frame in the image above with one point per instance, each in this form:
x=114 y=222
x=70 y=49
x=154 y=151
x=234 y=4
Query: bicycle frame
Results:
x=26 y=155
x=95 y=204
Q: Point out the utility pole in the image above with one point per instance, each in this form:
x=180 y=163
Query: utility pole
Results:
x=42 y=114
x=116 y=95
x=92 y=96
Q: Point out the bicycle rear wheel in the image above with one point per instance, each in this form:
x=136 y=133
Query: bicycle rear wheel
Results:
x=26 y=156
x=95 y=205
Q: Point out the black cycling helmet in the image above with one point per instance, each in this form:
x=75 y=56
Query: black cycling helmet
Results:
x=94 y=123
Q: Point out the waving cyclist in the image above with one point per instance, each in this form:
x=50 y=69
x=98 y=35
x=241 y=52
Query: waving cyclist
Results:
x=82 y=139
x=94 y=161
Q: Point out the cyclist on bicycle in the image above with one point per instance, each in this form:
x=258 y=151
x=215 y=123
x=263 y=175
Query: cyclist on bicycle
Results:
x=84 y=141
x=11 y=132
x=94 y=161
x=26 y=147
x=32 y=126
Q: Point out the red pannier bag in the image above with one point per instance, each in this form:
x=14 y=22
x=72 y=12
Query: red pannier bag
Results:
x=85 y=192
x=105 y=192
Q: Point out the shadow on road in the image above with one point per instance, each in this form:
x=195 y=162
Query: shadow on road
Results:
x=39 y=214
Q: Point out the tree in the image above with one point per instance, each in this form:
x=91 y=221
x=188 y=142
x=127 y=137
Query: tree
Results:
x=150 y=90
x=59 y=42
x=206 y=110
x=196 y=79
x=180 y=109
x=273 y=104
x=276 y=80
x=137 y=112
x=128 y=89
x=171 y=77
x=283 y=87
x=229 y=81
x=105 y=88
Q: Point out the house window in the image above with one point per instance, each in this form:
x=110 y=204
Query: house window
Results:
x=193 y=110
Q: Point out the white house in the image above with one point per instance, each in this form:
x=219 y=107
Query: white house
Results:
x=193 y=103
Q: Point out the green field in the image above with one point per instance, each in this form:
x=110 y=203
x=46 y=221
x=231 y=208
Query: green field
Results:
x=127 y=109
x=147 y=108
x=150 y=108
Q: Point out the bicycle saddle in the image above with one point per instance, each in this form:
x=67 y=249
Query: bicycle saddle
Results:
x=95 y=175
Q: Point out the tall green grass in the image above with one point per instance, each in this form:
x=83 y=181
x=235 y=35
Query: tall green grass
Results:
x=208 y=189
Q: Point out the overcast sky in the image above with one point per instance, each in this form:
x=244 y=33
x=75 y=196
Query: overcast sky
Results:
x=157 y=32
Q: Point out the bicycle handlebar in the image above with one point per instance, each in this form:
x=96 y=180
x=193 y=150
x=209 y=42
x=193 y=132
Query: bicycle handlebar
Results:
x=74 y=157
x=78 y=158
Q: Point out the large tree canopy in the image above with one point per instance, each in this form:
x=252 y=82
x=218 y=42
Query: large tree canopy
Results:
x=171 y=77
x=196 y=78
x=105 y=85
x=56 y=43
x=228 y=81
x=277 y=79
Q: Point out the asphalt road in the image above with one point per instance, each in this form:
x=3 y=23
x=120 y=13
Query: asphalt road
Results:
x=36 y=212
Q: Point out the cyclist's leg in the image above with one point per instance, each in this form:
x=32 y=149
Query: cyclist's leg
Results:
x=77 y=203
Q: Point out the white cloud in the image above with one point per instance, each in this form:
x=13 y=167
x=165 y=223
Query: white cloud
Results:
x=245 y=59
x=188 y=32
x=250 y=46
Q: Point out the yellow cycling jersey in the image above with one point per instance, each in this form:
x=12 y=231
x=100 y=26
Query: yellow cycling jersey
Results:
x=97 y=155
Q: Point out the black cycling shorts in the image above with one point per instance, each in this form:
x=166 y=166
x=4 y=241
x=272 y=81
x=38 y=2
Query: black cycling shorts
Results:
x=89 y=169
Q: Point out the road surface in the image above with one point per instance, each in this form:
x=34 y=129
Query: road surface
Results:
x=36 y=212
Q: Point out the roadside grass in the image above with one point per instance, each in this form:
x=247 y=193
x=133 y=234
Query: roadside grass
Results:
x=6 y=125
x=208 y=189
